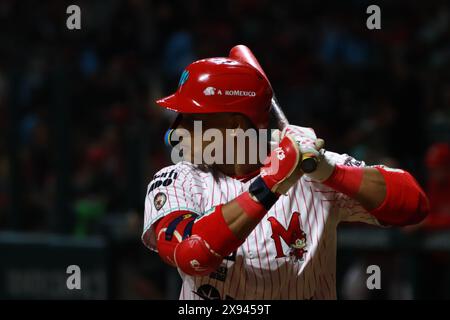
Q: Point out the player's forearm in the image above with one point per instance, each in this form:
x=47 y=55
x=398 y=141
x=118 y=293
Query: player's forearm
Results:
x=243 y=214
x=391 y=195
x=238 y=221
x=372 y=191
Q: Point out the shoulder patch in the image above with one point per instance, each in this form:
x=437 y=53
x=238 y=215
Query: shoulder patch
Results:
x=159 y=200
x=164 y=179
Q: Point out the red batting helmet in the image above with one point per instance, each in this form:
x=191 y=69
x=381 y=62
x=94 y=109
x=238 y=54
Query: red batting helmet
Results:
x=222 y=85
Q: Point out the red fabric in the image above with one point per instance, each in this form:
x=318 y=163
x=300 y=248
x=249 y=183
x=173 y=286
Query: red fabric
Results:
x=203 y=251
x=194 y=257
x=166 y=248
x=405 y=202
x=282 y=161
x=218 y=85
x=346 y=179
x=252 y=208
x=215 y=231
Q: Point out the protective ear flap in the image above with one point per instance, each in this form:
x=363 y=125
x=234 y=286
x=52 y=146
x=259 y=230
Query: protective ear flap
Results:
x=168 y=135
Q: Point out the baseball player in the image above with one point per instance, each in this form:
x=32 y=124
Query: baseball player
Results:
x=258 y=231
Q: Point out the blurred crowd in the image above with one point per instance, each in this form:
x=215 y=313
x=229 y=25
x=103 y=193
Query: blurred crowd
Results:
x=81 y=136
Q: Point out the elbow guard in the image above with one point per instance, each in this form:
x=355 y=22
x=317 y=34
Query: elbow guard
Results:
x=198 y=248
x=405 y=202
x=195 y=257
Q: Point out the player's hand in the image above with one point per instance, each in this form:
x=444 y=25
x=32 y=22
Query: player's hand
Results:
x=305 y=137
x=281 y=169
x=310 y=146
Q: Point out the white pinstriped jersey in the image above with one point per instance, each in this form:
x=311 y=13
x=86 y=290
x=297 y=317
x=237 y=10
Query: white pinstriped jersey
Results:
x=291 y=254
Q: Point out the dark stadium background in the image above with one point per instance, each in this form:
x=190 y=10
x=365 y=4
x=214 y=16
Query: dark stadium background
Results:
x=80 y=136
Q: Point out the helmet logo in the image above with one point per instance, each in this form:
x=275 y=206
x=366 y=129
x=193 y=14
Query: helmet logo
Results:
x=183 y=78
x=240 y=93
x=209 y=91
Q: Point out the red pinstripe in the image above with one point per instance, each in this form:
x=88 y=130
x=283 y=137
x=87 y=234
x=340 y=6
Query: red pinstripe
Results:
x=313 y=261
x=268 y=262
x=197 y=193
x=196 y=185
x=307 y=215
x=251 y=265
x=276 y=260
x=309 y=234
x=301 y=226
x=317 y=238
x=220 y=201
x=234 y=265
x=240 y=278
x=245 y=281
x=290 y=195
x=324 y=237
x=184 y=190
x=315 y=216
x=286 y=264
x=325 y=191
x=175 y=193
x=191 y=198
x=226 y=199
x=259 y=260
x=212 y=202
x=168 y=197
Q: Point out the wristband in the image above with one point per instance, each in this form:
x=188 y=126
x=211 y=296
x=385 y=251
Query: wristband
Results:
x=251 y=207
x=346 y=179
x=259 y=191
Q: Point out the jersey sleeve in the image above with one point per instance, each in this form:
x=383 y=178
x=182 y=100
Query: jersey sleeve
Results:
x=350 y=210
x=172 y=189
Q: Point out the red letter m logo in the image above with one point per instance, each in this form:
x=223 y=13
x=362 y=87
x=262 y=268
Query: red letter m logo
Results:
x=294 y=237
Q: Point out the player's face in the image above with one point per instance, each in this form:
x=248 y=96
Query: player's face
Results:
x=193 y=122
x=196 y=124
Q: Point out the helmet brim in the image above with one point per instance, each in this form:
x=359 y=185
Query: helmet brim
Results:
x=180 y=104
